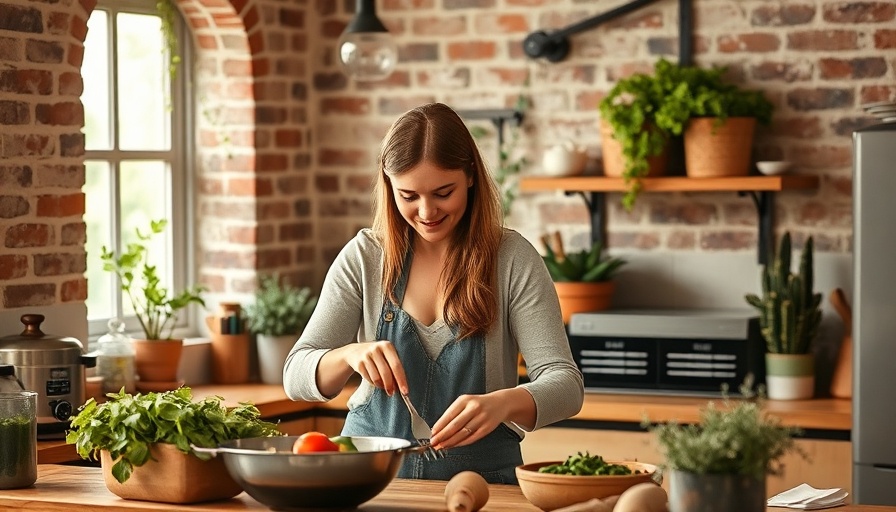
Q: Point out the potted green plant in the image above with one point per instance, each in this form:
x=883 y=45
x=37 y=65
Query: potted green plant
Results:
x=716 y=118
x=583 y=279
x=721 y=463
x=156 y=307
x=144 y=443
x=634 y=145
x=277 y=317
x=789 y=316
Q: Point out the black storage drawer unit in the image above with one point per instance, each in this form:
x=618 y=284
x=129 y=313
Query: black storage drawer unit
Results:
x=691 y=352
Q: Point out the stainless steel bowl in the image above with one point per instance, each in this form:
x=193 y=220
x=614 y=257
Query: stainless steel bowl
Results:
x=268 y=471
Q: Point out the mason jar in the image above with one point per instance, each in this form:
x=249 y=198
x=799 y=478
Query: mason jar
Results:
x=18 y=439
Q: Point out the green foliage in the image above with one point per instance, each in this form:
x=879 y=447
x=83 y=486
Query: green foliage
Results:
x=587 y=265
x=703 y=92
x=738 y=439
x=155 y=306
x=664 y=102
x=631 y=108
x=279 y=309
x=168 y=13
x=789 y=311
x=126 y=425
x=506 y=173
x=585 y=464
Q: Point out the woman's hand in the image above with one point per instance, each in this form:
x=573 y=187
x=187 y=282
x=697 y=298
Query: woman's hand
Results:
x=469 y=419
x=377 y=362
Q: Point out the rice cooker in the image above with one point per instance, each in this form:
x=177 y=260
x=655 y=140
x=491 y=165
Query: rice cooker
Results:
x=52 y=366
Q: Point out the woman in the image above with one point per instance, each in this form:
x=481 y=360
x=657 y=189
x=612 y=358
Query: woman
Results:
x=435 y=302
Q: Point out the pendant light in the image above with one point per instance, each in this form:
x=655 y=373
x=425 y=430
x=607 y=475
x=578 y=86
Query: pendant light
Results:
x=366 y=49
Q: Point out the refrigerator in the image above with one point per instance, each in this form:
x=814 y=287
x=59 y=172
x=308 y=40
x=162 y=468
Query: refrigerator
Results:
x=874 y=311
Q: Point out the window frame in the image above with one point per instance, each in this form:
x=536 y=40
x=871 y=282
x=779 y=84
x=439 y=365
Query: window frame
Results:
x=180 y=194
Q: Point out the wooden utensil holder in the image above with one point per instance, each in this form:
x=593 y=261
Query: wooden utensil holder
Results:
x=230 y=354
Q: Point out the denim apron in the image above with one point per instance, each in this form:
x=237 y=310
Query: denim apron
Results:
x=433 y=386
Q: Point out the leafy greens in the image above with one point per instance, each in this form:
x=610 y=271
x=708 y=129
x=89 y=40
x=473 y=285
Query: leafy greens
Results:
x=126 y=425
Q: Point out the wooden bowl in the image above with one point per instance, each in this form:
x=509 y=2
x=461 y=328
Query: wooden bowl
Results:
x=549 y=491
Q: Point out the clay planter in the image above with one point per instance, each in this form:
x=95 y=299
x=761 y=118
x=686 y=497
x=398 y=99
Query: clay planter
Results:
x=157 y=360
x=712 y=151
x=583 y=297
x=173 y=477
x=614 y=161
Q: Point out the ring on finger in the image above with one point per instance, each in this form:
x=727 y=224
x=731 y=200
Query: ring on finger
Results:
x=467 y=430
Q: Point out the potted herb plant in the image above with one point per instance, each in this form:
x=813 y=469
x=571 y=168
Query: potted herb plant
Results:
x=144 y=443
x=721 y=463
x=583 y=279
x=156 y=307
x=716 y=118
x=277 y=318
x=633 y=144
x=789 y=316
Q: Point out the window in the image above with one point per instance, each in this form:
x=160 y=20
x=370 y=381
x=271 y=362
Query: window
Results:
x=136 y=149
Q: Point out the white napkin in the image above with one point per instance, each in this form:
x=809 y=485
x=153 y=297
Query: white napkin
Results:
x=806 y=497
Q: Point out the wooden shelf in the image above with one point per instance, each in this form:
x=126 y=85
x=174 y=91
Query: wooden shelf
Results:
x=671 y=184
x=761 y=188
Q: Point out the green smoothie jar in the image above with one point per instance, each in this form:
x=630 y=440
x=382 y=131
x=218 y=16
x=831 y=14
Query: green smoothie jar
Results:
x=18 y=439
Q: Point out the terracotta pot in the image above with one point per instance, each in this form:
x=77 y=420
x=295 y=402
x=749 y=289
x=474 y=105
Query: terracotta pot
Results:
x=583 y=297
x=712 y=150
x=614 y=161
x=173 y=477
x=157 y=360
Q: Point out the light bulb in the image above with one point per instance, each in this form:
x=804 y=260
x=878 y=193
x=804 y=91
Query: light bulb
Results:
x=367 y=56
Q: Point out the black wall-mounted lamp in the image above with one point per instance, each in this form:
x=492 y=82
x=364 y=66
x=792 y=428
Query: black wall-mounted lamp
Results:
x=554 y=46
x=366 y=49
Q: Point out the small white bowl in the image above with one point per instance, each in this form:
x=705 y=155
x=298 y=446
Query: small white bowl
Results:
x=774 y=167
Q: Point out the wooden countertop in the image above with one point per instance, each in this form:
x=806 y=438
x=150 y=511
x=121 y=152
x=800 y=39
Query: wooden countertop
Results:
x=71 y=489
x=821 y=413
x=271 y=401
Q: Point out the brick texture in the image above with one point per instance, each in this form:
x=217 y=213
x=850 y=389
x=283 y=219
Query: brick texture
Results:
x=287 y=144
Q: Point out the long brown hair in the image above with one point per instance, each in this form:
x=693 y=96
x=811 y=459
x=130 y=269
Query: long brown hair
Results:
x=436 y=134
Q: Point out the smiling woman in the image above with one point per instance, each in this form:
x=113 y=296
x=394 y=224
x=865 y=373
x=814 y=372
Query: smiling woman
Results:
x=435 y=302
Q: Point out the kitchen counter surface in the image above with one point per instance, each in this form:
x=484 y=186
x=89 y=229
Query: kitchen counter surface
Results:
x=820 y=413
x=272 y=402
x=72 y=489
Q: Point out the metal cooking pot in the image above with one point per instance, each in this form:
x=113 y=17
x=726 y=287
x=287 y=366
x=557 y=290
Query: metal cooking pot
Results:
x=267 y=470
x=54 y=368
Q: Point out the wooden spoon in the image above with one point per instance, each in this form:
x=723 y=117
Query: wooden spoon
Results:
x=841 y=382
x=838 y=300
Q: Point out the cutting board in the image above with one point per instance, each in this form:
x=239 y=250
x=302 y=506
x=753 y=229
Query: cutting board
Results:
x=841 y=382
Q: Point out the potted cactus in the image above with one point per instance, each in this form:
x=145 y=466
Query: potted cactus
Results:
x=583 y=279
x=789 y=316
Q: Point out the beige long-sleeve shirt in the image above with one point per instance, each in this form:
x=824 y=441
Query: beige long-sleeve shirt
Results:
x=529 y=322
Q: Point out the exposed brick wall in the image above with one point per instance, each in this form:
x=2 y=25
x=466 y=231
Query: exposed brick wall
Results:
x=817 y=61
x=288 y=145
x=42 y=232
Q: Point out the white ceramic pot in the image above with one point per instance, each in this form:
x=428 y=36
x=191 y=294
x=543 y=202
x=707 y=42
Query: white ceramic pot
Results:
x=564 y=160
x=272 y=352
x=790 y=376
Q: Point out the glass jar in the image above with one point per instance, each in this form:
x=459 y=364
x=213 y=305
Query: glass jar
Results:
x=115 y=359
x=18 y=439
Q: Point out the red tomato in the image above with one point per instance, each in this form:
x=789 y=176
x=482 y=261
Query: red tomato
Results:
x=311 y=442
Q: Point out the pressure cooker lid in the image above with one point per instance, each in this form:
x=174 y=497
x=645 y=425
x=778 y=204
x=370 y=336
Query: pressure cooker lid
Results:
x=32 y=347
